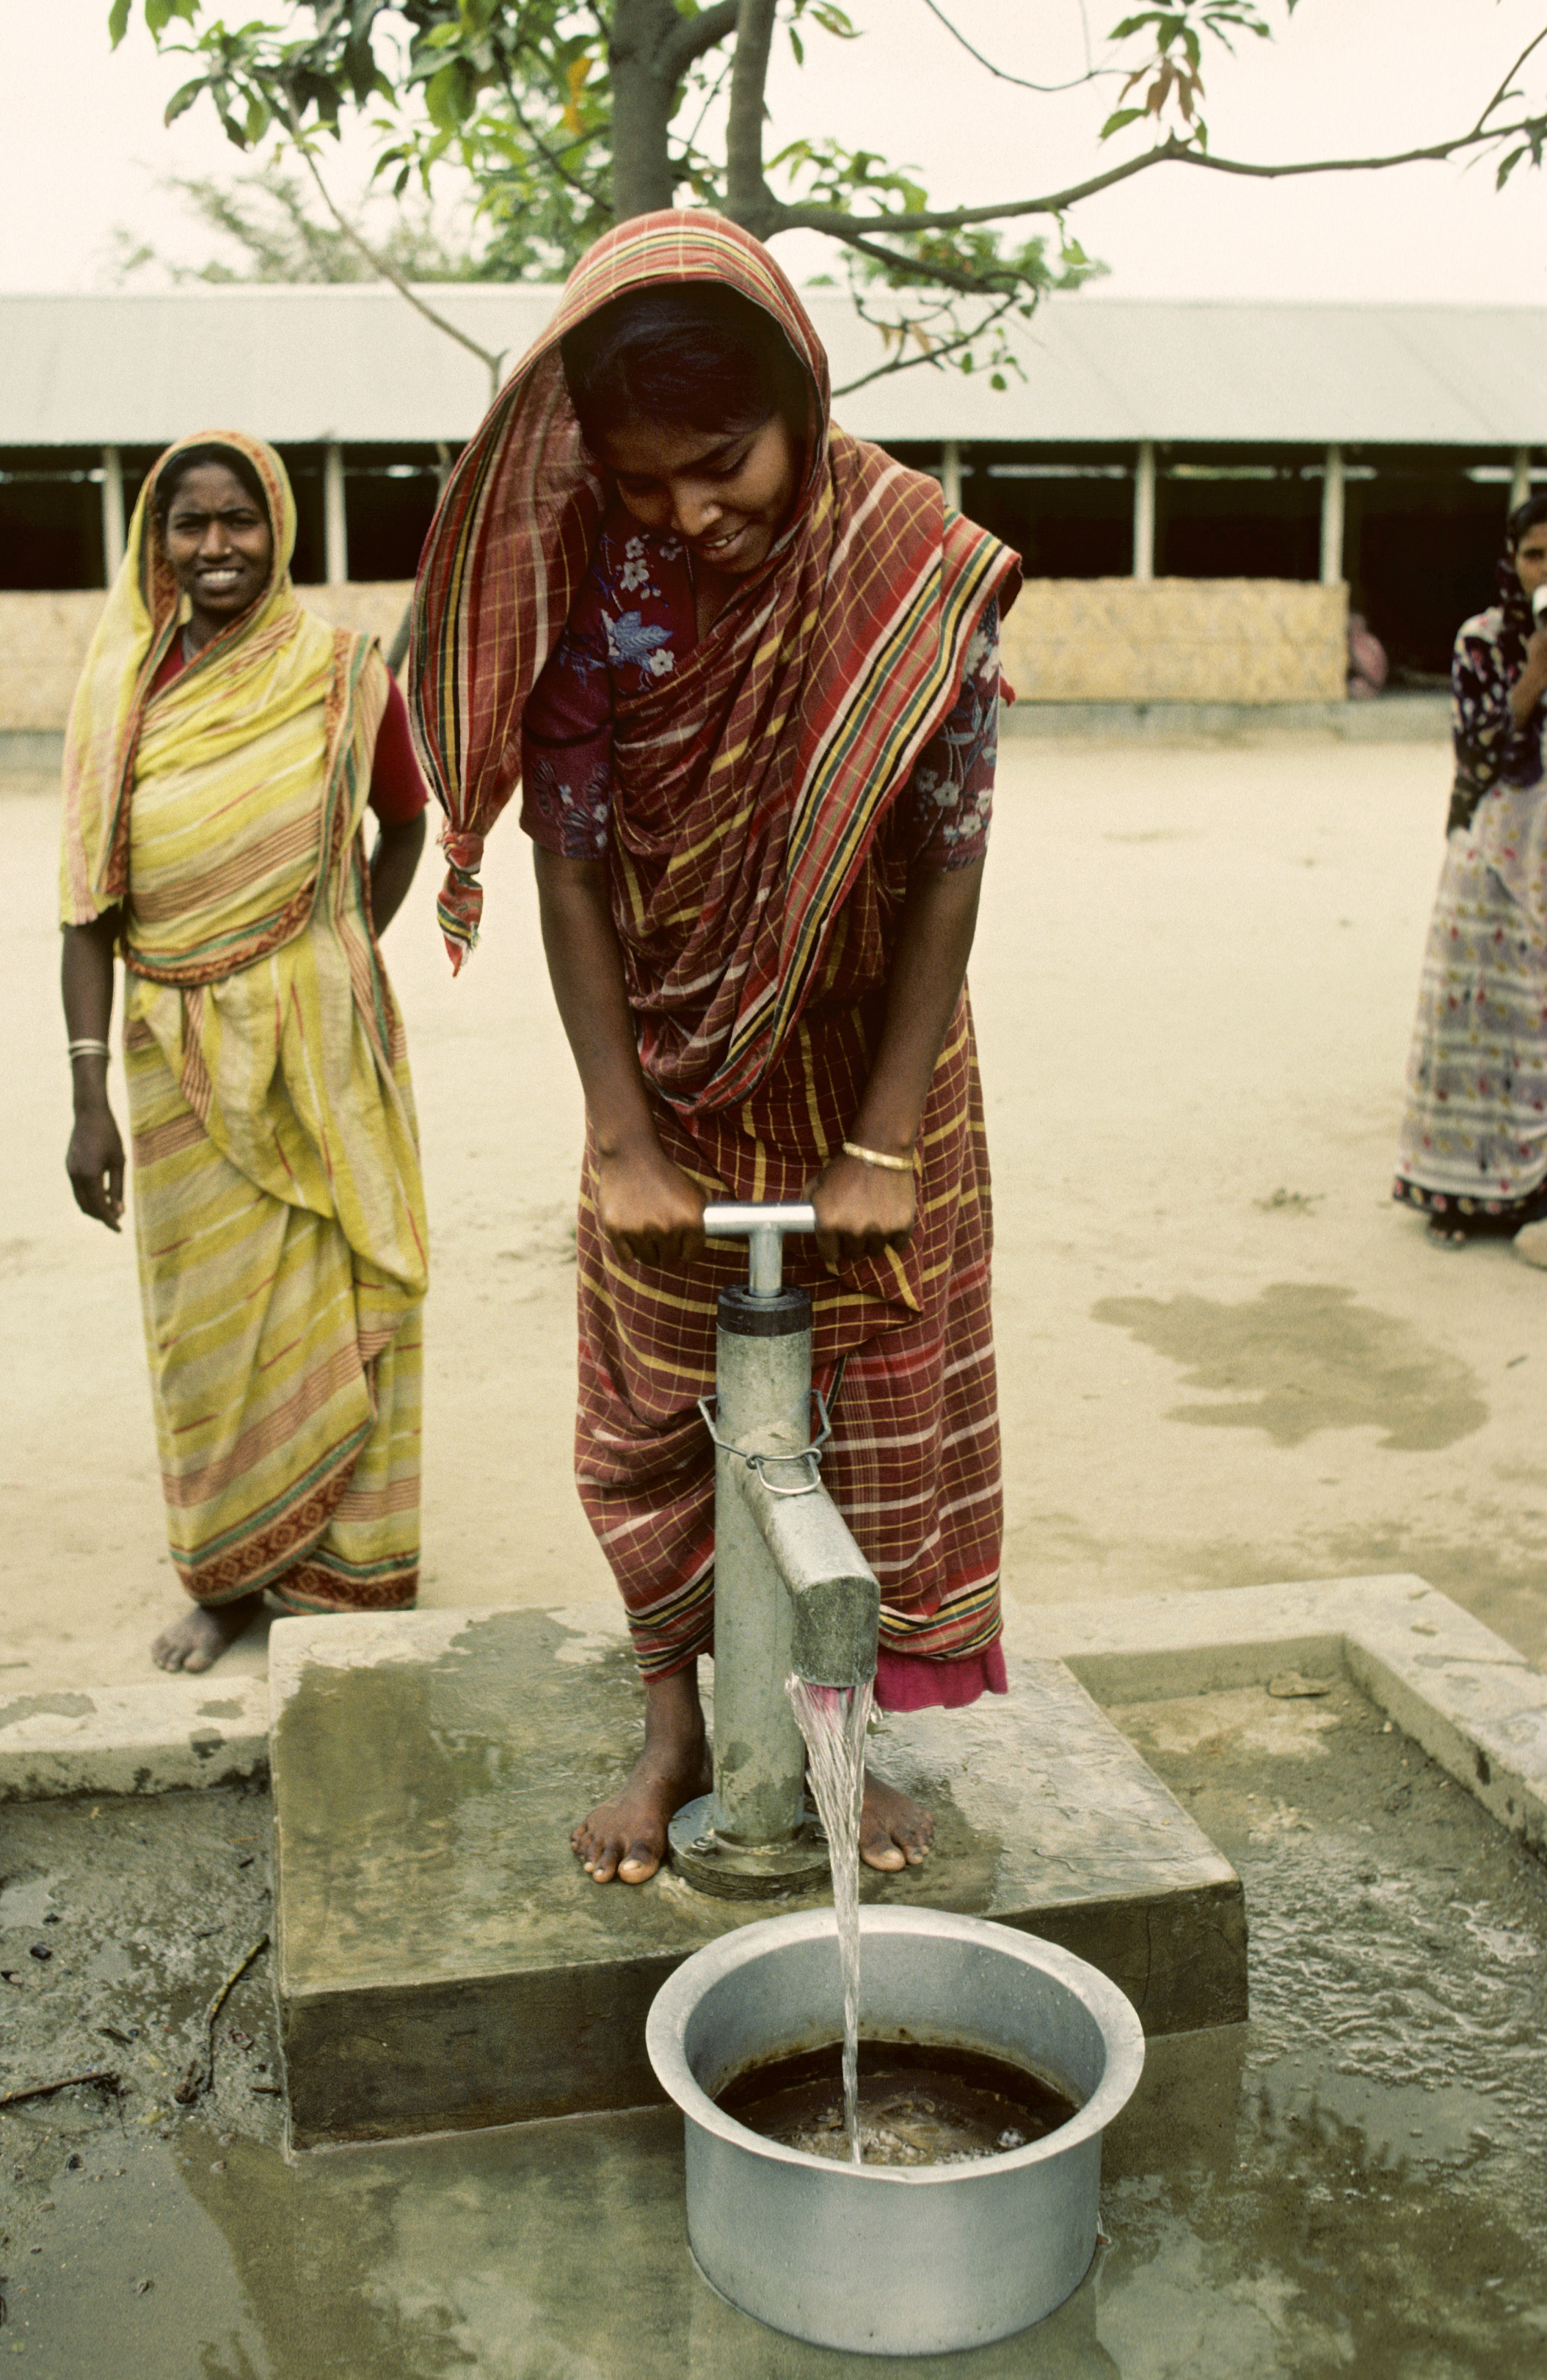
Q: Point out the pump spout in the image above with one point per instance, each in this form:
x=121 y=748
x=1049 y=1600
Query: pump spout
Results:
x=792 y=1590
x=834 y=1598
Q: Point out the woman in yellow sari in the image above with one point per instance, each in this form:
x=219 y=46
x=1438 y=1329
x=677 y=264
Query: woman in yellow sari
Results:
x=224 y=746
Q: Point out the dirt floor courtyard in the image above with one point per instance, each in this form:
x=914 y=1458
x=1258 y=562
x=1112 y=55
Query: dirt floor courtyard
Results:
x=1224 y=1356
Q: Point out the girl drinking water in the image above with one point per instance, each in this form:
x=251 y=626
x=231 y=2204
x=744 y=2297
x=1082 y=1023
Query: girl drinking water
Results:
x=746 y=669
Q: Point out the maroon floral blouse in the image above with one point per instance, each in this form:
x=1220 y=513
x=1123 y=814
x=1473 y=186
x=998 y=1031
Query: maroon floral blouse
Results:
x=633 y=618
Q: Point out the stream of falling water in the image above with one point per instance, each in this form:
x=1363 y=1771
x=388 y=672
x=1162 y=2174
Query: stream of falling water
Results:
x=833 y=1721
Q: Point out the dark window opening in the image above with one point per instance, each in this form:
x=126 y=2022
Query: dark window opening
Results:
x=51 y=517
x=1067 y=511
x=1423 y=534
x=1238 y=512
x=390 y=494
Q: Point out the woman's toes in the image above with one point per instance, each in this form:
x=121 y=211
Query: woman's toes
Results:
x=878 y=1850
x=894 y=1830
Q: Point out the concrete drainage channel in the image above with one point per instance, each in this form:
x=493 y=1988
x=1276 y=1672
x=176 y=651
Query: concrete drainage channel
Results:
x=1327 y=2138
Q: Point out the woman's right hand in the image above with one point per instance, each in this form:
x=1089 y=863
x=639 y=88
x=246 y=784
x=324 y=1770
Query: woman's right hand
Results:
x=94 y=1161
x=650 y=1212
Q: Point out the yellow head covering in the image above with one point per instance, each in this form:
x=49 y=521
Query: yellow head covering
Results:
x=271 y=662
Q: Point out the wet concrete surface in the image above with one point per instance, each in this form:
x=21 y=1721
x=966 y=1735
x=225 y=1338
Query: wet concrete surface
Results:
x=444 y=1962
x=1356 y=2181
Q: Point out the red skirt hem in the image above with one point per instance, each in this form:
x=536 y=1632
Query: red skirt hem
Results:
x=903 y=1683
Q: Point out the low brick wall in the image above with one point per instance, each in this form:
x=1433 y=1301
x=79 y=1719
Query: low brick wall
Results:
x=1241 y=641
x=43 y=640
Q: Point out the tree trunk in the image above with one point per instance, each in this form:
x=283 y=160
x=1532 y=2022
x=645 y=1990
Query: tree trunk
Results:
x=747 y=195
x=644 y=100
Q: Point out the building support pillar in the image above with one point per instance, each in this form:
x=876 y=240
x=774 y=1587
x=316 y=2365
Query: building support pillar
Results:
x=950 y=473
x=112 y=513
x=336 y=531
x=1144 y=512
x=1520 y=485
x=1332 y=518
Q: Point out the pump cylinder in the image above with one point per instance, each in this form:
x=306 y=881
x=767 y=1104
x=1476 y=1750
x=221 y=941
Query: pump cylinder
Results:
x=764 y=1406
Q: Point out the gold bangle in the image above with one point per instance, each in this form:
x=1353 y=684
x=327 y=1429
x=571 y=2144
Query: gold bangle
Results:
x=874 y=1156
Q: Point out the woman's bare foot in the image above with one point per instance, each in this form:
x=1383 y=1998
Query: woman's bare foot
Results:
x=626 y=1837
x=202 y=1636
x=894 y=1830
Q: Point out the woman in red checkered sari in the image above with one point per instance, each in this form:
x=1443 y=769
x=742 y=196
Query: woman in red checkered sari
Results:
x=755 y=667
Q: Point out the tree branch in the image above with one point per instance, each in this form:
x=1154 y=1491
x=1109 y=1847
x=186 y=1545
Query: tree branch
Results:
x=549 y=156
x=1170 y=151
x=1502 y=92
x=1092 y=74
x=379 y=264
x=748 y=198
x=694 y=35
x=936 y=354
x=971 y=285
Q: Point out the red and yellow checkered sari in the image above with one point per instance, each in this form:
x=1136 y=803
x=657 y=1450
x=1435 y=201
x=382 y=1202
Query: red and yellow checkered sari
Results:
x=756 y=892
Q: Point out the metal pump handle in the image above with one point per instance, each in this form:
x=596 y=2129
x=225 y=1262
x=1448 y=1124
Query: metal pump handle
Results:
x=764 y=1229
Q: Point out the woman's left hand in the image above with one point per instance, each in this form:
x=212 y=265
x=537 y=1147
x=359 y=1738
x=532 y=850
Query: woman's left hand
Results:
x=862 y=1209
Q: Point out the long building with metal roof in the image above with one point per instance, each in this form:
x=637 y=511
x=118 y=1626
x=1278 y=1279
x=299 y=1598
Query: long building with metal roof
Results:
x=354 y=363
x=1378 y=445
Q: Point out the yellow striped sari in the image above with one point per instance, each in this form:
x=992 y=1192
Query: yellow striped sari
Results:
x=279 y=1210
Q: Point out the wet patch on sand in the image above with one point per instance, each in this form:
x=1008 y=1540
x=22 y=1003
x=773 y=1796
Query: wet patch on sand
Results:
x=1305 y=1356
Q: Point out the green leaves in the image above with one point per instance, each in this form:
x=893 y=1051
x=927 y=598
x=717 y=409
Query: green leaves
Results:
x=1535 y=141
x=450 y=95
x=182 y=100
x=159 y=14
x=519 y=94
x=1176 y=29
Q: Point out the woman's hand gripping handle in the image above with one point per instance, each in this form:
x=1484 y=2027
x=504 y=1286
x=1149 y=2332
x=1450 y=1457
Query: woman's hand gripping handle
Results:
x=866 y=1198
x=649 y=1210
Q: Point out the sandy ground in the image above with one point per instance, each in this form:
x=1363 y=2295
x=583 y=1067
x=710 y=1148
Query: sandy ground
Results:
x=1225 y=1358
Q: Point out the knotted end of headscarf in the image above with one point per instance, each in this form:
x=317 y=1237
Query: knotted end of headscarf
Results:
x=460 y=905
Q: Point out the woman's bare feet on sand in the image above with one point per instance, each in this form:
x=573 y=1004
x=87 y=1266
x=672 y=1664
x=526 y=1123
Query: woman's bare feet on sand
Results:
x=202 y=1636
x=626 y=1837
x=894 y=1830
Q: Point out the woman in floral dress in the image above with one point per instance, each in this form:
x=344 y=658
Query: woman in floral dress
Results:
x=1473 y=1155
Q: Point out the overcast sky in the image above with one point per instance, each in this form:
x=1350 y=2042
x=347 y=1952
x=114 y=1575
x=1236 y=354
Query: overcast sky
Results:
x=83 y=151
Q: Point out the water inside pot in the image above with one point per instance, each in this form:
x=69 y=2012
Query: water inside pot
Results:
x=919 y=2104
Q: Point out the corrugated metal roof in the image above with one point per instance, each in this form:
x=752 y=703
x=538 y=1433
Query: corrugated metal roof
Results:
x=356 y=363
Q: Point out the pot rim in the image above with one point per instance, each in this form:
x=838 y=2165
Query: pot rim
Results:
x=666 y=2026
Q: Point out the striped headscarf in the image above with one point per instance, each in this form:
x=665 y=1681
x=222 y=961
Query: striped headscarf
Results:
x=277 y=699
x=763 y=767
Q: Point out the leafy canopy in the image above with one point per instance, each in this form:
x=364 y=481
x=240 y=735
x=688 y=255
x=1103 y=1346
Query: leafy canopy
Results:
x=567 y=118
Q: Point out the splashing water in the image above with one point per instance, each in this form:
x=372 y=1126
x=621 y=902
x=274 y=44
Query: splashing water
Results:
x=833 y=1721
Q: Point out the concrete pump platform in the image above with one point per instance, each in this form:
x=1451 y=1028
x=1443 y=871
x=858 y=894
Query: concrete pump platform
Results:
x=445 y=1962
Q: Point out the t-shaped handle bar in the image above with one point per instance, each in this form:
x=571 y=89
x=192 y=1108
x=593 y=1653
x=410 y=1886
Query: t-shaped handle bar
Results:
x=764 y=1228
